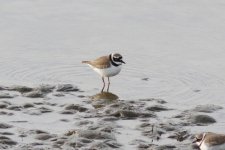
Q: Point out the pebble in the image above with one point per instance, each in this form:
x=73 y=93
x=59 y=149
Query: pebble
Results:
x=66 y=88
x=76 y=107
x=6 y=95
x=5 y=126
x=44 y=136
x=209 y=108
x=202 y=119
x=157 y=108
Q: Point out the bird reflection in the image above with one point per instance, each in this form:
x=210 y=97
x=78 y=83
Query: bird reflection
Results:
x=103 y=98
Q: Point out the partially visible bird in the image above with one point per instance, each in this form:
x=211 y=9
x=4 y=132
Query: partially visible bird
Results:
x=210 y=141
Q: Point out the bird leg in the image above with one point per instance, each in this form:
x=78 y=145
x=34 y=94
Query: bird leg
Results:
x=103 y=83
x=108 y=85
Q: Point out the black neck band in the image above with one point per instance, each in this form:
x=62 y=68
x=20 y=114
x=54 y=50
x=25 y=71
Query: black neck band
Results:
x=114 y=64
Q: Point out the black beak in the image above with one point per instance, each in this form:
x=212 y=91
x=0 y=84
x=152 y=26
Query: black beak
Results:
x=122 y=61
x=195 y=140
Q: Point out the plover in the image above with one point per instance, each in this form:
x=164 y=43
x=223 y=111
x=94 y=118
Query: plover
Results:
x=107 y=66
x=210 y=141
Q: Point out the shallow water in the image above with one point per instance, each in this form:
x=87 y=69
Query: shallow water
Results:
x=178 y=46
x=40 y=45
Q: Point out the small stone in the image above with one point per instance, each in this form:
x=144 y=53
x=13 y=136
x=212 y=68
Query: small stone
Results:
x=6 y=95
x=71 y=132
x=6 y=133
x=3 y=138
x=43 y=136
x=76 y=107
x=75 y=144
x=92 y=134
x=34 y=94
x=145 y=124
x=21 y=89
x=40 y=132
x=160 y=101
x=145 y=79
x=15 y=108
x=38 y=103
x=67 y=112
x=45 y=88
x=81 y=96
x=3 y=88
x=60 y=142
x=22 y=135
x=165 y=147
x=8 y=142
x=20 y=121
x=126 y=113
x=84 y=122
x=51 y=104
x=66 y=88
x=196 y=91
x=5 y=126
x=58 y=94
x=131 y=114
x=99 y=145
x=3 y=113
x=112 y=118
x=2 y=105
x=202 y=119
x=180 y=136
x=144 y=146
x=36 y=144
x=207 y=108
x=113 y=144
x=84 y=140
x=45 y=110
x=167 y=127
x=157 y=108
x=33 y=111
x=28 y=105
x=64 y=120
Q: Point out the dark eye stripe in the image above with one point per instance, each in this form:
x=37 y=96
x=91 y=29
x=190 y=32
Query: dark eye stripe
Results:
x=117 y=57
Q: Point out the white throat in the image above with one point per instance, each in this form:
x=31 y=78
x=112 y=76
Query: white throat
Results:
x=200 y=143
x=116 y=62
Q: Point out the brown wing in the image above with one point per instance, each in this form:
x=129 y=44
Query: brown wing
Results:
x=101 y=62
x=215 y=139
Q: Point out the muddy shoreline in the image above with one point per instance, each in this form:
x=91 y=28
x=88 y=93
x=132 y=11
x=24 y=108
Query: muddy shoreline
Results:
x=64 y=117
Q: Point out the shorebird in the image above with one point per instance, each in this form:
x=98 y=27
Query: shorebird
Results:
x=210 y=141
x=107 y=66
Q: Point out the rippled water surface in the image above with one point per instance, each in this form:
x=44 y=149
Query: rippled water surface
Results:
x=177 y=47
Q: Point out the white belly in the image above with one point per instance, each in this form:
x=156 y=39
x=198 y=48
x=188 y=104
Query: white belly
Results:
x=108 y=72
x=215 y=147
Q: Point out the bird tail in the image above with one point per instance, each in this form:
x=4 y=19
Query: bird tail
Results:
x=85 y=62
